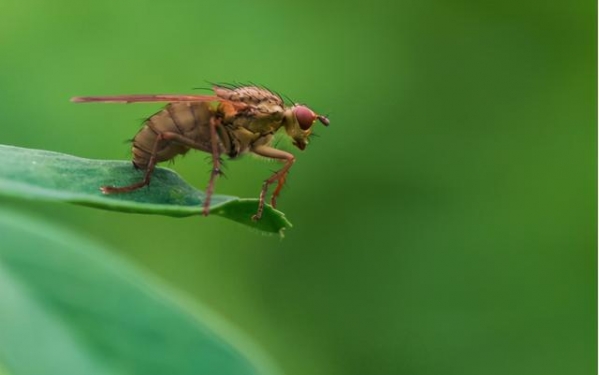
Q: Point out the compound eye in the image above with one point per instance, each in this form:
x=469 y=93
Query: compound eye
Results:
x=305 y=117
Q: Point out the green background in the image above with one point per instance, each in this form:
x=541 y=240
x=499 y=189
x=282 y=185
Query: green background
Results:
x=445 y=222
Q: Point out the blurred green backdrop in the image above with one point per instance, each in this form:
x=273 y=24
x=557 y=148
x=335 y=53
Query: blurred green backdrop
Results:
x=445 y=223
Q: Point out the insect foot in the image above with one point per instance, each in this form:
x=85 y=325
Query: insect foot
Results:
x=206 y=210
x=107 y=189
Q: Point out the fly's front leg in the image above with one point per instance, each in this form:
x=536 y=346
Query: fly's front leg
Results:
x=278 y=176
x=275 y=194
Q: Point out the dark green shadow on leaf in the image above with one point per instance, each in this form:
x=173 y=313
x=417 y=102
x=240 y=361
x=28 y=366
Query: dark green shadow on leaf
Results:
x=70 y=307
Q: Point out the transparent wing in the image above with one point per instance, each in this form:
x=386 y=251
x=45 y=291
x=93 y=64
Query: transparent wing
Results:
x=145 y=98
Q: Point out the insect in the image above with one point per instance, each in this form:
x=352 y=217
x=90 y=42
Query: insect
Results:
x=236 y=120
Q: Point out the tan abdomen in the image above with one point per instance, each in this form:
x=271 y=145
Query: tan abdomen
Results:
x=189 y=119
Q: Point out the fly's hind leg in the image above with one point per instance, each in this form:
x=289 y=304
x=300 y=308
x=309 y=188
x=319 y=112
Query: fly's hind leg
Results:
x=278 y=176
x=147 y=175
x=176 y=138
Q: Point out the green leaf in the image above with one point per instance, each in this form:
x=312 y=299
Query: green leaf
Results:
x=69 y=307
x=46 y=175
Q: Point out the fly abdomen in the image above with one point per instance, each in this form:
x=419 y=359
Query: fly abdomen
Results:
x=191 y=120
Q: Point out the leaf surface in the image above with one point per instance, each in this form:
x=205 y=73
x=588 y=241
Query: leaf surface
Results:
x=70 y=307
x=51 y=176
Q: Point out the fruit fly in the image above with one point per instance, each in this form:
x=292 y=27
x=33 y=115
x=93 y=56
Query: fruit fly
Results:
x=236 y=120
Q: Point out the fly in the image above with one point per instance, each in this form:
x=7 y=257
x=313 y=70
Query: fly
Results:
x=236 y=120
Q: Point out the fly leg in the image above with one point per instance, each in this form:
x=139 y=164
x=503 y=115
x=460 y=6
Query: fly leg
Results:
x=173 y=137
x=278 y=176
x=275 y=194
x=216 y=171
x=147 y=175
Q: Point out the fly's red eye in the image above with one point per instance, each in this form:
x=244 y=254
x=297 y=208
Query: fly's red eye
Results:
x=305 y=117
